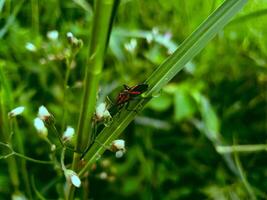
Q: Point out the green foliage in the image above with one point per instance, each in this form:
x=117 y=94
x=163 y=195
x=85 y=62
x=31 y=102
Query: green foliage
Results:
x=172 y=144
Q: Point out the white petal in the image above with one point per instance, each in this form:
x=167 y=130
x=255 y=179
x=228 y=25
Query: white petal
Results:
x=100 y=109
x=119 y=144
x=30 y=46
x=16 y=111
x=119 y=154
x=75 y=180
x=52 y=35
x=70 y=35
x=40 y=127
x=68 y=133
x=103 y=175
x=43 y=112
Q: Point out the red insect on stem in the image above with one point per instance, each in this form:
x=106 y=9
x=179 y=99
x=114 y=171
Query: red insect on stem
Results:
x=128 y=94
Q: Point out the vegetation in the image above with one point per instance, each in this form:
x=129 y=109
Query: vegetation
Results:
x=197 y=132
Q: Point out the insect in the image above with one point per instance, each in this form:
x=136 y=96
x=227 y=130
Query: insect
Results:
x=123 y=99
x=128 y=94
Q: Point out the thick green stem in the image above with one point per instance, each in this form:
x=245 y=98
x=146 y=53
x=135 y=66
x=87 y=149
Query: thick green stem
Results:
x=99 y=37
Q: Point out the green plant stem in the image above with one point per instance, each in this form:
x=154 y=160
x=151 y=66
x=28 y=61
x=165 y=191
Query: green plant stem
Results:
x=241 y=148
x=5 y=129
x=35 y=16
x=244 y=177
x=38 y=194
x=165 y=72
x=20 y=142
x=93 y=70
x=13 y=128
x=99 y=37
x=22 y=155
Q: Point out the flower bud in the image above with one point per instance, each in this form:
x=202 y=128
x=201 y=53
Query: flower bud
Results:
x=102 y=114
x=44 y=115
x=68 y=134
x=40 y=127
x=103 y=175
x=73 y=178
x=52 y=35
x=118 y=144
x=16 y=111
x=30 y=46
x=119 y=154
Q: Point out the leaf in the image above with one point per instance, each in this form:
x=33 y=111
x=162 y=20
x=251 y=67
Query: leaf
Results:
x=184 y=105
x=161 y=103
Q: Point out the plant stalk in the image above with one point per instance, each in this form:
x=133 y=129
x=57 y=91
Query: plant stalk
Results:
x=99 y=39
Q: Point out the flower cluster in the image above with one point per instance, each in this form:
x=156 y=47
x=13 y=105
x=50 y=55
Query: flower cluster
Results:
x=118 y=146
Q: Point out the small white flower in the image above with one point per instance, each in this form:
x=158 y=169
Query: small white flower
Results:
x=119 y=154
x=131 y=46
x=149 y=38
x=73 y=178
x=68 y=134
x=30 y=46
x=52 y=35
x=43 y=113
x=53 y=147
x=69 y=35
x=102 y=114
x=40 y=127
x=103 y=175
x=16 y=111
x=18 y=196
x=119 y=144
x=100 y=109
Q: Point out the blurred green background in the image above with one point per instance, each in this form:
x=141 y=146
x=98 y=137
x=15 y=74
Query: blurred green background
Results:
x=220 y=97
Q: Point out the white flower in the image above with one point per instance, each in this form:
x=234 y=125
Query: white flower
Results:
x=40 y=127
x=119 y=144
x=100 y=109
x=130 y=46
x=52 y=35
x=69 y=35
x=149 y=38
x=68 y=134
x=119 y=153
x=16 y=111
x=102 y=114
x=30 y=46
x=73 y=178
x=103 y=175
x=43 y=113
x=18 y=196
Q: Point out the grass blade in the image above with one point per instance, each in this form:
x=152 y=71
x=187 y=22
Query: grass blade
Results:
x=166 y=71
